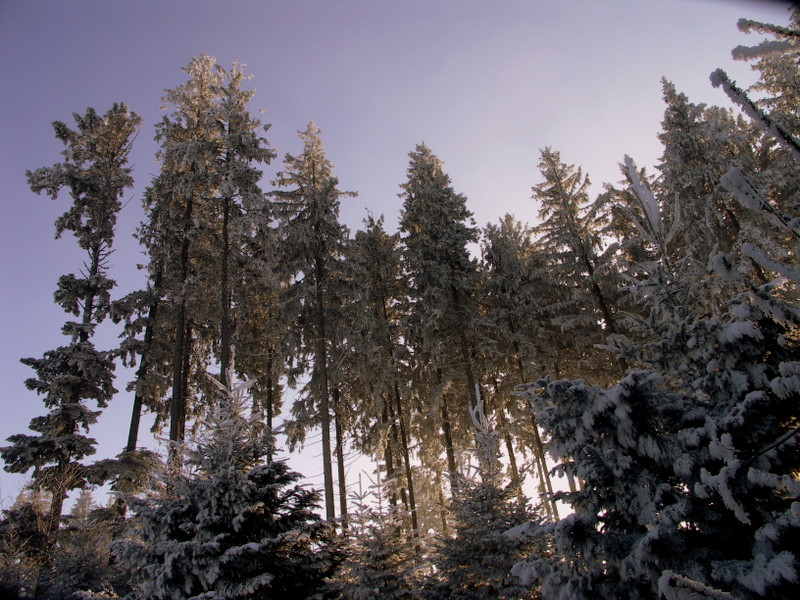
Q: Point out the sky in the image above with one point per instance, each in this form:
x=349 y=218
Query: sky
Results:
x=485 y=84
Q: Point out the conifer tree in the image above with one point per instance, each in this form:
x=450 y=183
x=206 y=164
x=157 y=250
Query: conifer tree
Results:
x=436 y=228
x=574 y=256
x=234 y=525
x=701 y=144
x=477 y=561
x=381 y=558
x=95 y=173
x=512 y=294
x=374 y=360
x=312 y=238
x=686 y=467
x=204 y=209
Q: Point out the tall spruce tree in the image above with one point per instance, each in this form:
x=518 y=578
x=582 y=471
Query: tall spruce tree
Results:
x=312 y=240
x=436 y=229
x=513 y=297
x=204 y=209
x=574 y=255
x=95 y=172
x=375 y=359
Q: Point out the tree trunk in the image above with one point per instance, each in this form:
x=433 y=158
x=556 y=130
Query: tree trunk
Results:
x=443 y=508
x=447 y=437
x=545 y=484
x=398 y=414
x=178 y=400
x=388 y=457
x=138 y=402
x=225 y=298
x=321 y=366
x=340 y=460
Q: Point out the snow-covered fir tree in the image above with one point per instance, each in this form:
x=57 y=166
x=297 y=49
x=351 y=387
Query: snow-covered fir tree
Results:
x=513 y=295
x=95 y=172
x=382 y=558
x=374 y=360
x=686 y=467
x=233 y=524
x=491 y=526
x=203 y=210
x=307 y=207
x=584 y=299
x=436 y=228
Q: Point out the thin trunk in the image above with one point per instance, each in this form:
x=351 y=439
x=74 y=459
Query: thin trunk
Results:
x=412 y=502
x=545 y=473
x=321 y=365
x=138 y=401
x=512 y=459
x=178 y=400
x=398 y=414
x=545 y=484
x=270 y=399
x=340 y=459
x=185 y=393
x=225 y=298
x=388 y=458
x=443 y=508
x=447 y=437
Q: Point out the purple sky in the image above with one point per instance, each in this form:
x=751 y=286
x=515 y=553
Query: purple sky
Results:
x=485 y=84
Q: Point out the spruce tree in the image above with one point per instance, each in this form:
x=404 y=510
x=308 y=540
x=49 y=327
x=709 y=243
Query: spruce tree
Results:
x=308 y=213
x=477 y=562
x=95 y=173
x=374 y=359
x=234 y=524
x=574 y=256
x=204 y=209
x=436 y=228
x=381 y=558
x=513 y=296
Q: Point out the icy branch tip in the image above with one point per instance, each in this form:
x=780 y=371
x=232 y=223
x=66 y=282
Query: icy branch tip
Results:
x=744 y=25
x=718 y=78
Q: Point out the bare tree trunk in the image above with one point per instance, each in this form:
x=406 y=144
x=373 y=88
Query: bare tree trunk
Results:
x=138 y=401
x=178 y=400
x=340 y=460
x=545 y=484
x=225 y=298
x=447 y=437
x=321 y=366
x=388 y=456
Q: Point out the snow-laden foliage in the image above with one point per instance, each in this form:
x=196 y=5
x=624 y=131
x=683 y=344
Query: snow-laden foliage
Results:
x=233 y=525
x=585 y=300
x=670 y=462
x=476 y=562
x=382 y=558
x=307 y=207
x=95 y=172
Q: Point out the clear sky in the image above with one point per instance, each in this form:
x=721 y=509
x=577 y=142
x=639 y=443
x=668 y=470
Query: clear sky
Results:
x=486 y=84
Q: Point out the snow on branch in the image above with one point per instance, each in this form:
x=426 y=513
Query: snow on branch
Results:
x=738 y=184
x=486 y=440
x=646 y=198
x=672 y=586
x=748 y=26
x=763 y=121
x=765 y=48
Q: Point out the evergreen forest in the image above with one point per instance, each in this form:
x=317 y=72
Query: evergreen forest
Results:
x=640 y=345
